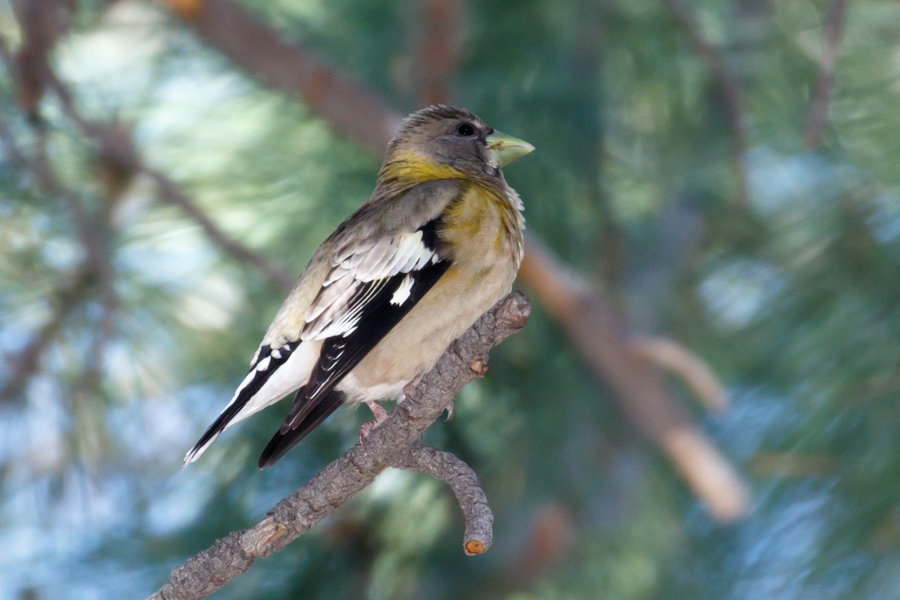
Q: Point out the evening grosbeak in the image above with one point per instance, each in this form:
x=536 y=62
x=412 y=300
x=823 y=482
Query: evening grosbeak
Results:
x=437 y=244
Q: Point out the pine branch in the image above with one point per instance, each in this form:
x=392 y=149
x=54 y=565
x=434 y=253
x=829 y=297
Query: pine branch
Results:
x=96 y=273
x=439 y=50
x=606 y=341
x=729 y=87
x=116 y=145
x=349 y=106
x=392 y=444
x=818 y=106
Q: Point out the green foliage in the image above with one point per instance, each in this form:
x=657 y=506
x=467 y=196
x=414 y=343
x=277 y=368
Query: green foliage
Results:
x=792 y=299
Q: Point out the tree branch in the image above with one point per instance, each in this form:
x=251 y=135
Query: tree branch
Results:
x=42 y=25
x=440 y=50
x=96 y=269
x=602 y=335
x=116 y=145
x=392 y=444
x=732 y=96
x=818 y=107
x=672 y=356
x=350 y=107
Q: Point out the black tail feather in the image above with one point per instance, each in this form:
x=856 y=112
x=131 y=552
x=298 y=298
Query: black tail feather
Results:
x=212 y=431
x=245 y=393
x=282 y=442
x=218 y=426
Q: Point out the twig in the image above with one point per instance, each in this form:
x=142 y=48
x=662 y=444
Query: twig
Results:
x=674 y=357
x=276 y=275
x=818 y=106
x=349 y=106
x=732 y=97
x=392 y=444
x=440 y=50
x=26 y=362
x=603 y=337
x=464 y=482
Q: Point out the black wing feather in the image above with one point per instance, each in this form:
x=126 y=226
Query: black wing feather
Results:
x=340 y=354
x=282 y=442
x=314 y=402
x=318 y=399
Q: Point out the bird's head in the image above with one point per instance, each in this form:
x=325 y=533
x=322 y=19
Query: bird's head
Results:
x=443 y=142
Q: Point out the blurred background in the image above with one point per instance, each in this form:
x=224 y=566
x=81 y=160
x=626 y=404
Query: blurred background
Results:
x=702 y=406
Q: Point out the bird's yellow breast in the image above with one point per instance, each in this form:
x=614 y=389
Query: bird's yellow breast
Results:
x=484 y=225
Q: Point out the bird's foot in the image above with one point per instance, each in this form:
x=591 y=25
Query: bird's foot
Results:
x=380 y=416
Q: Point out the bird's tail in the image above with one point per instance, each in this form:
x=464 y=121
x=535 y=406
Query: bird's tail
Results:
x=206 y=439
x=282 y=442
x=231 y=415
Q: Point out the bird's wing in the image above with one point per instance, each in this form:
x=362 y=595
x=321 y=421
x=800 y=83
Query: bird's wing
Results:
x=371 y=272
x=282 y=442
x=360 y=302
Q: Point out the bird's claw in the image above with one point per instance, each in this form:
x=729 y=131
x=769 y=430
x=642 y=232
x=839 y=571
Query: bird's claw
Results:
x=449 y=411
x=381 y=416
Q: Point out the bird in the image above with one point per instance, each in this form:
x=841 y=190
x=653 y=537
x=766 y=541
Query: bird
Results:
x=437 y=243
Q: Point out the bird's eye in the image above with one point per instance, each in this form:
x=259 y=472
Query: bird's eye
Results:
x=466 y=130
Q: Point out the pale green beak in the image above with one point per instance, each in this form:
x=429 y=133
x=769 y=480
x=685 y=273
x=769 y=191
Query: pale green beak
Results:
x=505 y=148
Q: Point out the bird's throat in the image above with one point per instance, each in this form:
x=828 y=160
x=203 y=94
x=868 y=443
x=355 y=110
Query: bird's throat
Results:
x=404 y=168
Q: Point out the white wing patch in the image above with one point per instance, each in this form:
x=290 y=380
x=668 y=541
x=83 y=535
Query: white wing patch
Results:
x=345 y=322
x=337 y=308
x=401 y=295
x=401 y=254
